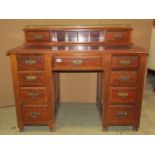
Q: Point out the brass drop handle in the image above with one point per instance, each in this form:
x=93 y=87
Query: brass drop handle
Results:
x=30 y=61
x=122 y=114
x=31 y=78
x=77 y=61
x=33 y=94
x=38 y=37
x=118 y=36
x=35 y=114
x=124 y=78
x=125 y=62
x=123 y=95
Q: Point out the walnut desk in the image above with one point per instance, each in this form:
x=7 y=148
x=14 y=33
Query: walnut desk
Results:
x=106 y=49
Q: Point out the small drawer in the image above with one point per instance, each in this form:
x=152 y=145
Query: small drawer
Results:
x=32 y=78
x=125 y=62
x=117 y=36
x=122 y=95
x=121 y=115
x=77 y=62
x=33 y=95
x=38 y=36
x=30 y=62
x=35 y=115
x=123 y=78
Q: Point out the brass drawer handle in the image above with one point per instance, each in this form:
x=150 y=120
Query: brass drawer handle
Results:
x=34 y=114
x=124 y=78
x=118 y=36
x=31 y=78
x=122 y=114
x=38 y=37
x=125 y=62
x=33 y=94
x=77 y=61
x=30 y=62
x=123 y=94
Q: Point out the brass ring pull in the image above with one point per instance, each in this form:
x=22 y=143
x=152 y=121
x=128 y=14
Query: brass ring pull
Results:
x=38 y=37
x=124 y=78
x=77 y=61
x=30 y=62
x=122 y=114
x=123 y=94
x=118 y=36
x=31 y=78
x=125 y=62
x=33 y=94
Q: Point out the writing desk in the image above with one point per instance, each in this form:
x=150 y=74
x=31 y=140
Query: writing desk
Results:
x=108 y=50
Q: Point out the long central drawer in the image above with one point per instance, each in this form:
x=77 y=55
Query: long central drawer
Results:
x=77 y=62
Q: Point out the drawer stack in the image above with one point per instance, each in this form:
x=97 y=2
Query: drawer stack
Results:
x=33 y=96
x=123 y=90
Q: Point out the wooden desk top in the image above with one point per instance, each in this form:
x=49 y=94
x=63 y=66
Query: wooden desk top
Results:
x=93 y=26
x=52 y=49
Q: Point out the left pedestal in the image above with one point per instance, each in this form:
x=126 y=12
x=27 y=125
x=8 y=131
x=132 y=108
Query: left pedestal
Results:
x=32 y=79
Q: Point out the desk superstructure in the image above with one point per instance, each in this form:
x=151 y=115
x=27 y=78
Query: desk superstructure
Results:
x=105 y=49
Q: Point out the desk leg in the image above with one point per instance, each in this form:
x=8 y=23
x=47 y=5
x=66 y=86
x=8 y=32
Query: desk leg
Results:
x=50 y=91
x=105 y=128
x=21 y=129
x=99 y=88
x=56 y=89
x=52 y=129
x=135 y=129
x=106 y=91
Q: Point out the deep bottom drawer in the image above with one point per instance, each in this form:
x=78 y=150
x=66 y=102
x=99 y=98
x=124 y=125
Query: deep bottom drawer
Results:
x=35 y=115
x=121 y=115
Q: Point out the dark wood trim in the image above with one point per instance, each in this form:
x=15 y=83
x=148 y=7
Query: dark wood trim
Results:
x=153 y=22
x=150 y=71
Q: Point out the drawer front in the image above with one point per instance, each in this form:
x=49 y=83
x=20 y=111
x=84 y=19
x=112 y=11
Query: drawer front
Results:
x=30 y=62
x=125 y=78
x=33 y=95
x=32 y=78
x=117 y=36
x=122 y=95
x=121 y=115
x=35 y=115
x=124 y=62
x=38 y=36
x=84 y=62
